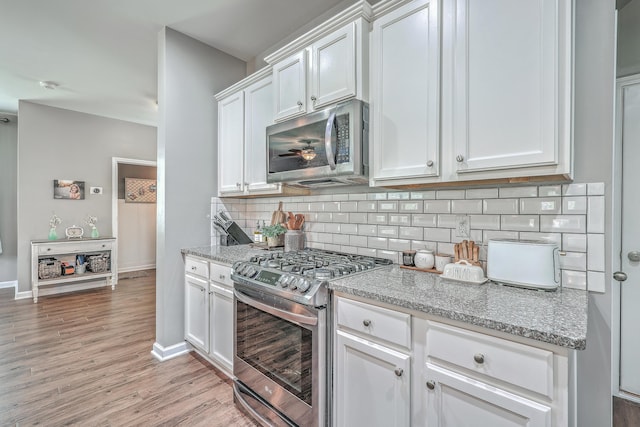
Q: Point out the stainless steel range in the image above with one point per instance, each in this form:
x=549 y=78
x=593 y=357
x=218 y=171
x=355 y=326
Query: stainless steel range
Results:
x=280 y=347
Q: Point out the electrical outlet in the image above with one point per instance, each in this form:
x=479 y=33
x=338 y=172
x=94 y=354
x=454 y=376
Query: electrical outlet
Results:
x=95 y=190
x=462 y=226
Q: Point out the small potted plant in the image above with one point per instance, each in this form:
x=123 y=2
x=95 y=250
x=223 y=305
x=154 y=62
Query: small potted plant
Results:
x=274 y=234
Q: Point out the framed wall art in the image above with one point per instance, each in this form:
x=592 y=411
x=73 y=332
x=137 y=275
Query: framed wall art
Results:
x=68 y=189
x=139 y=190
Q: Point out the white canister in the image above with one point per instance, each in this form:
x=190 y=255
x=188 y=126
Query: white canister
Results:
x=424 y=259
x=441 y=261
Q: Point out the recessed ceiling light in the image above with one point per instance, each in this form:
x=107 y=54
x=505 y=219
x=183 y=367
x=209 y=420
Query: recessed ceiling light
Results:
x=49 y=85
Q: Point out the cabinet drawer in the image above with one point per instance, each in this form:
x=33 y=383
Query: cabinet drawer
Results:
x=518 y=364
x=74 y=248
x=375 y=322
x=196 y=267
x=221 y=274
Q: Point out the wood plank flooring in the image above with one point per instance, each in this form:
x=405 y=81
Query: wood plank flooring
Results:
x=83 y=358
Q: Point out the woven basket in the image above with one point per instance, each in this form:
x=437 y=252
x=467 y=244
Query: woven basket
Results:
x=49 y=268
x=98 y=263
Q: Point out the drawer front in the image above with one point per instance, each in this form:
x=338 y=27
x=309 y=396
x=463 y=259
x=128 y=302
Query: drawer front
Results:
x=74 y=248
x=514 y=363
x=196 y=267
x=221 y=274
x=374 y=322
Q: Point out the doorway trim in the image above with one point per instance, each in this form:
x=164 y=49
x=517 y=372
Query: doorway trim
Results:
x=115 y=161
x=616 y=243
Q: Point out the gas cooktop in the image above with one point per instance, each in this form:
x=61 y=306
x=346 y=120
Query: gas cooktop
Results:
x=302 y=275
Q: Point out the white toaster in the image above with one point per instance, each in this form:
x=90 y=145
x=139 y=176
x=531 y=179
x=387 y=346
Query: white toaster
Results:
x=526 y=263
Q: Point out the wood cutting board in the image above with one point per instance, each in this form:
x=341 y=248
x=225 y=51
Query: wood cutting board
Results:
x=278 y=216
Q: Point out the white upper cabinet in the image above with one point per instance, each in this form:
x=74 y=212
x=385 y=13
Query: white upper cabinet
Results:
x=326 y=65
x=244 y=112
x=510 y=84
x=405 y=92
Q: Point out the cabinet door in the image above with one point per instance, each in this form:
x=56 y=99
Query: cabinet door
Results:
x=258 y=115
x=231 y=144
x=222 y=325
x=457 y=400
x=333 y=67
x=289 y=86
x=506 y=84
x=405 y=92
x=372 y=384
x=197 y=312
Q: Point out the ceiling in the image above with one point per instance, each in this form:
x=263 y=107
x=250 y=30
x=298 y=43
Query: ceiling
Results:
x=102 y=54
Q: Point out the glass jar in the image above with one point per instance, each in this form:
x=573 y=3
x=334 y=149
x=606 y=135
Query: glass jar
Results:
x=424 y=259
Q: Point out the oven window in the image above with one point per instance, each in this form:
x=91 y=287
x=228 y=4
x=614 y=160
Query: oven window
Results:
x=279 y=349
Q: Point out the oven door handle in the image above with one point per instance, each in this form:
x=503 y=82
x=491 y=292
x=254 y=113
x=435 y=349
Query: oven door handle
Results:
x=286 y=315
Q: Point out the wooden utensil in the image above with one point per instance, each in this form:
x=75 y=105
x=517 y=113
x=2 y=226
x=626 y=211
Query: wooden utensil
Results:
x=278 y=217
x=467 y=250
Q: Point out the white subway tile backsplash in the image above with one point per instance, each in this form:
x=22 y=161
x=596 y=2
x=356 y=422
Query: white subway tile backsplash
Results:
x=349 y=228
x=368 y=230
x=574 y=242
x=387 y=206
x=574 y=279
x=574 y=205
x=445 y=248
x=424 y=220
x=550 y=190
x=595 y=252
x=332 y=228
x=392 y=255
x=520 y=223
x=596 y=281
x=414 y=233
x=437 y=234
x=420 y=244
x=545 y=237
x=500 y=206
x=447 y=221
x=358 y=218
x=574 y=190
x=358 y=240
x=437 y=206
x=510 y=192
x=492 y=234
x=595 y=189
x=378 y=242
x=348 y=206
x=574 y=261
x=387 y=231
x=398 y=196
x=423 y=195
x=339 y=197
x=367 y=252
x=482 y=193
x=314 y=227
x=548 y=205
x=339 y=217
x=332 y=247
x=316 y=207
x=399 y=244
x=341 y=239
x=377 y=218
x=595 y=214
x=358 y=196
x=563 y=223
x=484 y=222
x=466 y=206
x=450 y=194
x=367 y=206
x=324 y=237
x=410 y=207
x=376 y=196
x=397 y=219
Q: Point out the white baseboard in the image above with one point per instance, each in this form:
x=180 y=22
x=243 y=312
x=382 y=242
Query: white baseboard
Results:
x=24 y=295
x=9 y=284
x=165 y=353
x=137 y=268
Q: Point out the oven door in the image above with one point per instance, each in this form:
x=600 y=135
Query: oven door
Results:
x=280 y=354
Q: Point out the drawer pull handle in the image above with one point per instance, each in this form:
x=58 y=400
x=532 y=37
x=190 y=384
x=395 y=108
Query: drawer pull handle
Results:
x=479 y=358
x=48 y=249
x=431 y=385
x=366 y=322
x=194 y=268
x=222 y=277
x=398 y=372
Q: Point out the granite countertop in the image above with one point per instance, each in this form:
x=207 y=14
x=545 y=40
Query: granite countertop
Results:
x=558 y=318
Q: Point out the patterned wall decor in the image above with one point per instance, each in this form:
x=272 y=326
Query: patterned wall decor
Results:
x=139 y=190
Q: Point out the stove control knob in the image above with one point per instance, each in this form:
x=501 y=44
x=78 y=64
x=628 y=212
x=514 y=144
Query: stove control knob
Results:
x=294 y=283
x=284 y=280
x=304 y=285
x=250 y=272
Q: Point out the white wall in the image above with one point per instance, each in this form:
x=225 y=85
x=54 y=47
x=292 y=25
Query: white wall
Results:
x=60 y=144
x=189 y=74
x=628 y=36
x=8 y=197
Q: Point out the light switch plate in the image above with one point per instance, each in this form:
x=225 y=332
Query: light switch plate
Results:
x=463 y=228
x=95 y=190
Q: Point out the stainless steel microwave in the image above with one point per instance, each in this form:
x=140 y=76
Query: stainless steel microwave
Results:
x=323 y=148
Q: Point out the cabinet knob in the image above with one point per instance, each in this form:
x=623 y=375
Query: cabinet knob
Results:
x=459 y=158
x=366 y=322
x=313 y=98
x=222 y=277
x=398 y=372
x=237 y=184
x=430 y=164
x=431 y=385
x=620 y=276
x=479 y=358
x=48 y=249
x=201 y=289
x=194 y=268
x=246 y=184
x=299 y=104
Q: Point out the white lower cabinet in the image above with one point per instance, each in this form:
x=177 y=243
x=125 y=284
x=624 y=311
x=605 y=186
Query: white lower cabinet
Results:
x=392 y=368
x=209 y=311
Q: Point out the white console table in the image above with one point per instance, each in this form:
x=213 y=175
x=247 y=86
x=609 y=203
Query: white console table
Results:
x=59 y=249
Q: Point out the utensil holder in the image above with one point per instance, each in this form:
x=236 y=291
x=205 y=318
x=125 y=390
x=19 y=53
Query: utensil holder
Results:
x=293 y=240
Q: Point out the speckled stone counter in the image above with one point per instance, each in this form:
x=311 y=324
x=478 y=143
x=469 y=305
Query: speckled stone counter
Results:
x=558 y=318
x=224 y=254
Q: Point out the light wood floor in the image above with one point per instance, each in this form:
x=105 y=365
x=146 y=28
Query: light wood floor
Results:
x=84 y=359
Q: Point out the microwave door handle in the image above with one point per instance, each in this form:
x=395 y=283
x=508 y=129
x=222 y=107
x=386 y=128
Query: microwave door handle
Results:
x=328 y=140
